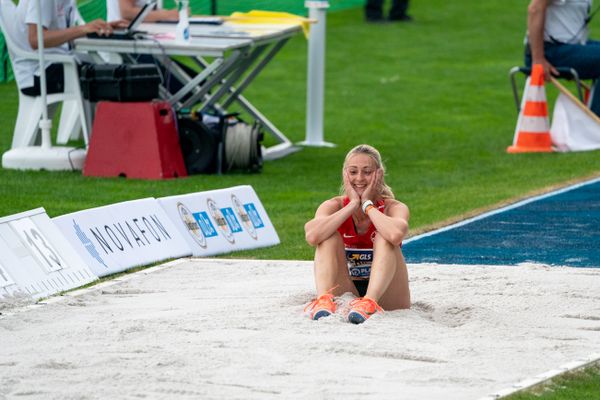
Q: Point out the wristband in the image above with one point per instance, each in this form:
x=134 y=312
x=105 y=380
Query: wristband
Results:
x=366 y=205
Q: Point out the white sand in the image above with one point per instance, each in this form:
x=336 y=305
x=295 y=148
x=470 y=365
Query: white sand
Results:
x=215 y=329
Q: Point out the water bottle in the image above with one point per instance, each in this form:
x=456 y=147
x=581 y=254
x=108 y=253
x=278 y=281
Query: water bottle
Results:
x=182 y=32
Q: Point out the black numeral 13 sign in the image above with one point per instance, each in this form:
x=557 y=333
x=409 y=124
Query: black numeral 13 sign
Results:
x=39 y=246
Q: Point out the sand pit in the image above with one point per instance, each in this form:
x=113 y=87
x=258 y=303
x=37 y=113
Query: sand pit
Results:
x=234 y=329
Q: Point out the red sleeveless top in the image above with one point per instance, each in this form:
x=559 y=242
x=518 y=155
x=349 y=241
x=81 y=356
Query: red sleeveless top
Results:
x=351 y=239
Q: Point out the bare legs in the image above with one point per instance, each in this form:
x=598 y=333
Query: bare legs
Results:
x=331 y=269
x=388 y=284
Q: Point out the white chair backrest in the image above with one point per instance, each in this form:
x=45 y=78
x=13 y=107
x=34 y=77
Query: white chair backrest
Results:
x=10 y=23
x=9 y=26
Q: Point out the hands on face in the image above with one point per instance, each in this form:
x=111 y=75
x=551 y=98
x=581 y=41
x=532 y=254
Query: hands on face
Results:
x=352 y=194
x=370 y=192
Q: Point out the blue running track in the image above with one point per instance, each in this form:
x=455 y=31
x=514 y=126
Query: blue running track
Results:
x=558 y=228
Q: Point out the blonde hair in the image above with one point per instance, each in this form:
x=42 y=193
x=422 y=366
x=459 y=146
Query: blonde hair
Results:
x=383 y=190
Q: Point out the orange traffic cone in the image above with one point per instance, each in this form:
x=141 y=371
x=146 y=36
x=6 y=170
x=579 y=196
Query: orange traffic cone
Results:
x=533 y=129
x=586 y=96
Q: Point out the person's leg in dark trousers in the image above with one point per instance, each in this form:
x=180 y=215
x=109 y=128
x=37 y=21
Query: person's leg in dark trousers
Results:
x=55 y=81
x=374 y=10
x=584 y=58
x=398 y=11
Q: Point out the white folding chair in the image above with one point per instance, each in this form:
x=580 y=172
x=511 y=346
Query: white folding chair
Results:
x=73 y=116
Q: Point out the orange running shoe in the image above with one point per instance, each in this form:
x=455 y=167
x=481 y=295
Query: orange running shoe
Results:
x=362 y=309
x=322 y=306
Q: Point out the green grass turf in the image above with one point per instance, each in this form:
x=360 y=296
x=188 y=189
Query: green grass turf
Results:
x=577 y=385
x=432 y=95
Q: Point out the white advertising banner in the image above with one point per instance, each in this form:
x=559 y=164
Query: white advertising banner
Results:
x=221 y=221
x=35 y=258
x=8 y=287
x=121 y=236
x=5 y=279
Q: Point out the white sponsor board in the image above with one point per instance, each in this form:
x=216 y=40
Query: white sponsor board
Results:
x=35 y=258
x=5 y=279
x=221 y=221
x=121 y=236
x=7 y=286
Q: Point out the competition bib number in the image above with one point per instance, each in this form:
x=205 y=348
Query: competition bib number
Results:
x=359 y=262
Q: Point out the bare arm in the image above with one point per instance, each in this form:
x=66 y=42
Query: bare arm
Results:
x=56 y=37
x=129 y=11
x=328 y=218
x=536 y=18
x=393 y=225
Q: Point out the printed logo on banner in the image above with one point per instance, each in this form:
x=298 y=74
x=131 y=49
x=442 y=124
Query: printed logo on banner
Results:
x=130 y=233
x=254 y=215
x=5 y=279
x=207 y=227
x=39 y=246
x=220 y=220
x=87 y=243
x=243 y=215
x=192 y=225
x=232 y=221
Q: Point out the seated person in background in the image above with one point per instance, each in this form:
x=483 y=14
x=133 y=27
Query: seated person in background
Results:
x=60 y=21
x=128 y=9
x=557 y=37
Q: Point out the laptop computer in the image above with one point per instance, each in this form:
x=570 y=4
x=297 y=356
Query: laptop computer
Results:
x=129 y=32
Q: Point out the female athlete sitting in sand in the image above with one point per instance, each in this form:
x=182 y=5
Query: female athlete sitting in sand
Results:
x=358 y=236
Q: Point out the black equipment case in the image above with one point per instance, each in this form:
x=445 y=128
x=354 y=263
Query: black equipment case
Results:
x=212 y=143
x=119 y=82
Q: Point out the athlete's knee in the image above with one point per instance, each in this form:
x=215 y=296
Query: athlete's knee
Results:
x=334 y=240
x=380 y=243
x=330 y=245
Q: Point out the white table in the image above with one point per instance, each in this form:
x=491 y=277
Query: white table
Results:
x=228 y=54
